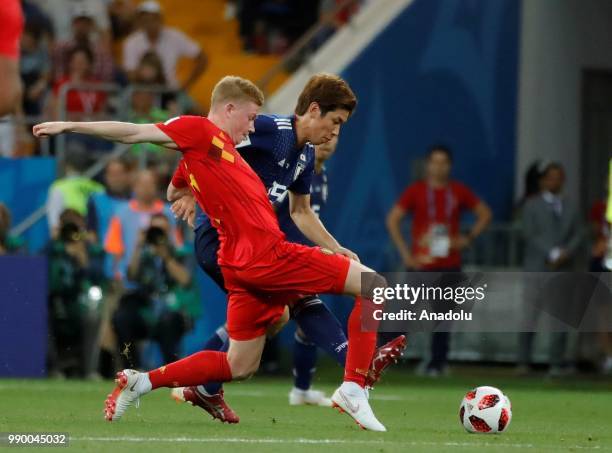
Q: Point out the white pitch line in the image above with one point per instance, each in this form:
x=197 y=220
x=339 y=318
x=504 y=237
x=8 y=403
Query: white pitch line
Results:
x=231 y=391
x=239 y=440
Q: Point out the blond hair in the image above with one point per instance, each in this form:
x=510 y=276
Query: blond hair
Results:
x=236 y=89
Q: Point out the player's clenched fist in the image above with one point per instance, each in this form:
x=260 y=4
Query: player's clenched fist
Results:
x=50 y=128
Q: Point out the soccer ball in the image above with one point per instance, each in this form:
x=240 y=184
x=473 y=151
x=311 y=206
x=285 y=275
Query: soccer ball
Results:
x=485 y=410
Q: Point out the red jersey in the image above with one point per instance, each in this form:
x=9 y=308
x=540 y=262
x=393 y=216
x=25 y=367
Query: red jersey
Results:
x=11 y=26
x=442 y=206
x=82 y=101
x=226 y=188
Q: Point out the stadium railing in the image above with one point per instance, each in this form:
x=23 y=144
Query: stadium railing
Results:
x=119 y=108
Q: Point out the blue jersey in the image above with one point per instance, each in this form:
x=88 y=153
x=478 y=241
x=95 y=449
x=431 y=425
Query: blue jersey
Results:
x=271 y=152
x=318 y=200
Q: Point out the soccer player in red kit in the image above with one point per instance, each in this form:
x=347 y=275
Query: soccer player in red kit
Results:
x=262 y=271
x=11 y=26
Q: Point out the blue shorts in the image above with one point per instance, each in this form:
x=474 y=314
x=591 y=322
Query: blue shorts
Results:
x=206 y=245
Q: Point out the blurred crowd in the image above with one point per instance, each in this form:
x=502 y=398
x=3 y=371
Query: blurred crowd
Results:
x=120 y=271
x=93 y=59
x=89 y=60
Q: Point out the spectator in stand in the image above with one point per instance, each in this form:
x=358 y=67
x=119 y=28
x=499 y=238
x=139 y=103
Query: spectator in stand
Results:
x=101 y=206
x=153 y=308
x=122 y=17
x=148 y=106
x=131 y=218
x=35 y=70
x=84 y=35
x=436 y=204
x=169 y=43
x=74 y=269
x=72 y=191
x=81 y=104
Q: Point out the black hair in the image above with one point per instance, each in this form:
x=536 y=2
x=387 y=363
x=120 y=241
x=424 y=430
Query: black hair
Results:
x=549 y=166
x=83 y=49
x=439 y=148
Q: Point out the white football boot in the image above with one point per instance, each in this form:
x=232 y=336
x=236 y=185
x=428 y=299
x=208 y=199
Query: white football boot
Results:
x=125 y=393
x=299 y=397
x=353 y=400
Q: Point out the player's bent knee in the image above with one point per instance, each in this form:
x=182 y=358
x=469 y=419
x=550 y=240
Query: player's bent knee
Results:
x=371 y=281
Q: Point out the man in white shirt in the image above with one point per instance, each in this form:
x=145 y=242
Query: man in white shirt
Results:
x=169 y=43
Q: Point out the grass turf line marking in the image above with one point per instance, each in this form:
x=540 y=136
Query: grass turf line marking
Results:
x=239 y=440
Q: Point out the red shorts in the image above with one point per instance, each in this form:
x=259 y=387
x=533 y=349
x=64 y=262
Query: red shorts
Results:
x=258 y=294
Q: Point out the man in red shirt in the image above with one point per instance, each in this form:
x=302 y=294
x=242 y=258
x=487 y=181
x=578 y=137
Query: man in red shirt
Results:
x=436 y=204
x=11 y=26
x=262 y=271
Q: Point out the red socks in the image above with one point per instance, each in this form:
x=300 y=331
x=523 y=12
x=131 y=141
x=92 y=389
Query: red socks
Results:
x=361 y=347
x=198 y=368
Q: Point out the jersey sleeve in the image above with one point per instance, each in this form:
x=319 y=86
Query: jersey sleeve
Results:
x=188 y=132
x=407 y=199
x=467 y=198
x=178 y=178
x=302 y=184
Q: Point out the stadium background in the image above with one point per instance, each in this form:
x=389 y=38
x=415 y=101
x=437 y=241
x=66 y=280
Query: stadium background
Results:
x=502 y=82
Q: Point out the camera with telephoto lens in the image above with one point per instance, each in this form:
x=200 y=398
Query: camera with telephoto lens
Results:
x=156 y=236
x=71 y=232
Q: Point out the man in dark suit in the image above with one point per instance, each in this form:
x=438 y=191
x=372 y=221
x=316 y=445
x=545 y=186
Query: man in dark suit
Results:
x=553 y=234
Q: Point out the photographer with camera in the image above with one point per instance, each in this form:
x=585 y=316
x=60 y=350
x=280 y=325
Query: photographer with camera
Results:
x=160 y=304
x=75 y=275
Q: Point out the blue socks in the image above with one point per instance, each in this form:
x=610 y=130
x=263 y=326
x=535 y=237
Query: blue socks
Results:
x=304 y=361
x=321 y=329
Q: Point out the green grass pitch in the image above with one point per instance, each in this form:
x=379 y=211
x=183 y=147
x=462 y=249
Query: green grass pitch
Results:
x=420 y=415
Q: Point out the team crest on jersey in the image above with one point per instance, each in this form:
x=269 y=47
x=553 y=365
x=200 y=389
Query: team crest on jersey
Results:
x=325 y=251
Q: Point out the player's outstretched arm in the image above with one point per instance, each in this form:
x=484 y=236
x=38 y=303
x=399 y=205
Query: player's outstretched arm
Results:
x=128 y=133
x=311 y=226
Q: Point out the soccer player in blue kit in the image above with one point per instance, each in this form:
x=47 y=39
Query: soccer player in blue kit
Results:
x=282 y=153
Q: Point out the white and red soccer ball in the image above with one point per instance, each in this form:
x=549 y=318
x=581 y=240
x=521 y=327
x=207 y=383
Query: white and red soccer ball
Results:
x=485 y=410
